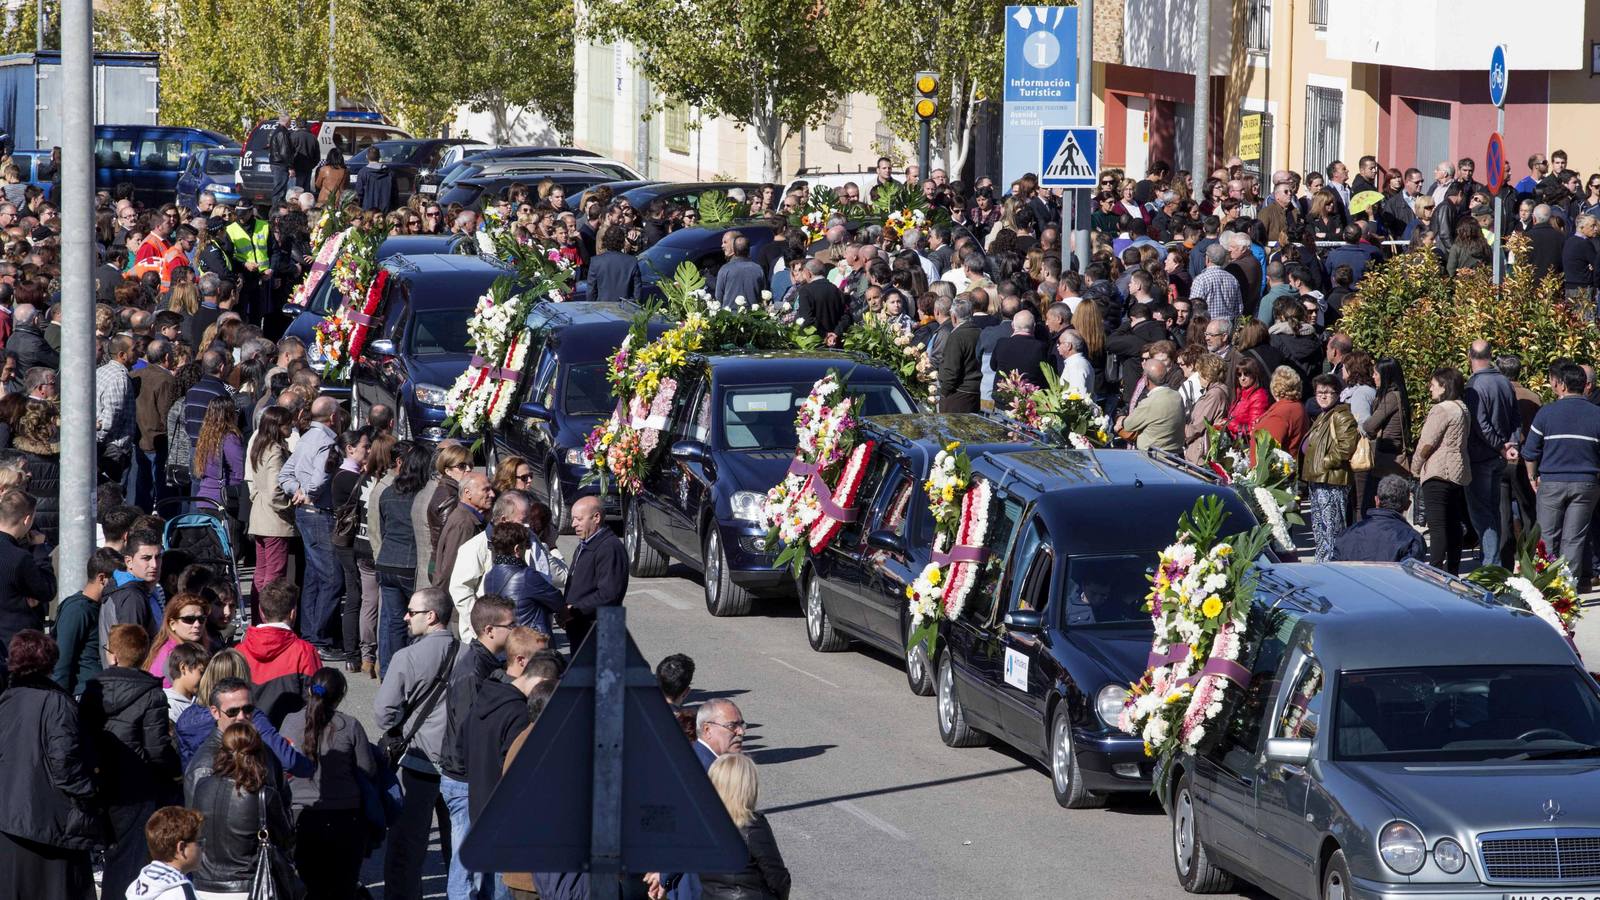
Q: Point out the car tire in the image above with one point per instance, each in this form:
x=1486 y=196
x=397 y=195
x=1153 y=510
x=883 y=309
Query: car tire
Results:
x=919 y=672
x=723 y=597
x=556 y=499
x=1336 y=878
x=644 y=561
x=1195 y=871
x=953 y=727
x=1066 y=777
x=819 y=626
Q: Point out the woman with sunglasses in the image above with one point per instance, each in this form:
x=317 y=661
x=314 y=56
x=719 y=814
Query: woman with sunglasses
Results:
x=512 y=474
x=184 y=621
x=1590 y=204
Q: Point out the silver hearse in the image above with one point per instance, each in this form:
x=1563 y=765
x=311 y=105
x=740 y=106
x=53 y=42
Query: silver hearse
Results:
x=1403 y=735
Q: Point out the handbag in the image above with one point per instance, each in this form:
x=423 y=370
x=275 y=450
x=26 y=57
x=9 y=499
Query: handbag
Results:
x=347 y=519
x=392 y=746
x=274 y=877
x=1365 y=455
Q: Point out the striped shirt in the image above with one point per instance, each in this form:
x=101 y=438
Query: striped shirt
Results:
x=1564 y=441
x=114 y=409
x=1220 y=291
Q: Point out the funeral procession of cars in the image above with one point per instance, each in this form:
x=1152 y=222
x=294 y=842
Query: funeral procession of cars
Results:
x=1134 y=623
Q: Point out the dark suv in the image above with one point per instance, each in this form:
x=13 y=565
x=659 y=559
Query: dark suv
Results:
x=730 y=440
x=566 y=395
x=855 y=588
x=1055 y=628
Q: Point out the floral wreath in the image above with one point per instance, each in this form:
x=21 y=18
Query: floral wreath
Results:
x=959 y=504
x=1053 y=409
x=327 y=236
x=892 y=346
x=817 y=497
x=1200 y=600
x=1541 y=582
x=820 y=206
x=1263 y=477
x=338 y=339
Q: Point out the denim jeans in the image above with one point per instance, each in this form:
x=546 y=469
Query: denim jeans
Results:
x=394 y=591
x=460 y=884
x=319 y=597
x=1483 y=507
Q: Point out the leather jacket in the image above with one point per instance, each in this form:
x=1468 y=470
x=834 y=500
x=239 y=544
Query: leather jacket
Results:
x=233 y=819
x=765 y=877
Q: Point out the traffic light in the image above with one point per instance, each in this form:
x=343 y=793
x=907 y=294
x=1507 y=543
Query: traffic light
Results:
x=927 y=102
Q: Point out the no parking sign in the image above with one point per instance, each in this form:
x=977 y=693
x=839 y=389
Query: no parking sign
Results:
x=1494 y=162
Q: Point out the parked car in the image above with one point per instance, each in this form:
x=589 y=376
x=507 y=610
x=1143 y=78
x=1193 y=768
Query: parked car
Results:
x=430 y=183
x=700 y=245
x=150 y=157
x=213 y=171
x=1403 y=734
x=410 y=160
x=476 y=191
x=566 y=394
x=303 y=319
x=420 y=347
x=855 y=589
x=575 y=202
x=732 y=438
x=1055 y=628
x=33 y=166
x=351 y=131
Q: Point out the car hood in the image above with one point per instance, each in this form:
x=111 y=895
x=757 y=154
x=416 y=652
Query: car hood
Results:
x=575 y=429
x=1120 y=653
x=751 y=470
x=1488 y=796
x=441 y=369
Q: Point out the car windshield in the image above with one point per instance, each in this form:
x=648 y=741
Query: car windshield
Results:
x=761 y=417
x=1108 y=590
x=587 y=392
x=440 y=331
x=663 y=259
x=222 y=163
x=1466 y=713
x=467 y=170
x=392 y=150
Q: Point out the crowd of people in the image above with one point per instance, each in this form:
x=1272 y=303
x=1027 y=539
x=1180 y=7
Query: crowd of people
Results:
x=189 y=727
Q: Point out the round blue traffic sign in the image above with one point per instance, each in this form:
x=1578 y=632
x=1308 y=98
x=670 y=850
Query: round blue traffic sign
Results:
x=1499 y=76
x=1494 y=163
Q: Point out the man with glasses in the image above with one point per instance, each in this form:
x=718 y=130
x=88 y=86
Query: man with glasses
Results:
x=474 y=558
x=493 y=617
x=230 y=705
x=1538 y=168
x=410 y=702
x=719 y=730
x=1399 y=211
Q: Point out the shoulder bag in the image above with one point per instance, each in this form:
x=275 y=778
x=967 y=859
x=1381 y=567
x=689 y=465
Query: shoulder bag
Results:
x=393 y=745
x=274 y=877
x=346 y=519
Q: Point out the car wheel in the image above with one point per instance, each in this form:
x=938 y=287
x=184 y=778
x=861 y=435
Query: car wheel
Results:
x=1195 y=871
x=819 y=628
x=560 y=514
x=1336 y=879
x=919 y=674
x=723 y=597
x=1065 y=775
x=644 y=561
x=953 y=728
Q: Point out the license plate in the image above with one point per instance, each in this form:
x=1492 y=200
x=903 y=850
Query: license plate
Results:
x=1554 y=895
x=428 y=188
x=263 y=167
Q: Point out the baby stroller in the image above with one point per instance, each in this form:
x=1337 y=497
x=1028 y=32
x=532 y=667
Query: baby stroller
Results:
x=198 y=533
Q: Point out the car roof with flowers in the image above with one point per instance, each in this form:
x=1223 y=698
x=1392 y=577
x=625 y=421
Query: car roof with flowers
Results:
x=928 y=433
x=772 y=366
x=1108 y=501
x=587 y=330
x=436 y=279
x=1383 y=615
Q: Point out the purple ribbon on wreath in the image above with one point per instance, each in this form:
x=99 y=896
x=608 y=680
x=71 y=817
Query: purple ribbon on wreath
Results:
x=829 y=508
x=496 y=371
x=1225 y=668
x=959 y=554
x=798 y=466
x=357 y=317
x=1175 y=653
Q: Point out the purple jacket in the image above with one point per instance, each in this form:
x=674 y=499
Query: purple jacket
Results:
x=229 y=462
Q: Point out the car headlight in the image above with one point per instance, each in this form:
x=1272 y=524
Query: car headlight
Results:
x=1448 y=855
x=430 y=394
x=575 y=457
x=747 y=505
x=1109 y=702
x=1402 y=847
x=315 y=357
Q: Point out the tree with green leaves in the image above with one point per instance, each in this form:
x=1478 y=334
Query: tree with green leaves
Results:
x=769 y=67
x=960 y=39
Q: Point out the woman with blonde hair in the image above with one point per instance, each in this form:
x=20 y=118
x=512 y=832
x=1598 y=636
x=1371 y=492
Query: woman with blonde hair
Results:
x=37 y=435
x=184 y=298
x=764 y=876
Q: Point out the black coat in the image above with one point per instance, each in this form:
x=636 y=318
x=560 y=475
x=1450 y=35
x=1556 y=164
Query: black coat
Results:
x=44 y=483
x=305 y=151
x=960 y=369
x=823 y=306
x=378 y=187
x=124 y=711
x=598 y=575
x=44 y=777
x=1128 y=343
x=1383 y=536
x=229 y=833
x=1577 y=262
x=613 y=276
x=498 y=712
x=28 y=343
x=201 y=764
x=535 y=597
x=280 y=150
x=25 y=573
x=1019 y=353
x=764 y=877
x=1545 y=254
x=473 y=666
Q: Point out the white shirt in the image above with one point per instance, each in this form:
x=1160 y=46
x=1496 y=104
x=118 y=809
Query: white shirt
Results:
x=1077 y=373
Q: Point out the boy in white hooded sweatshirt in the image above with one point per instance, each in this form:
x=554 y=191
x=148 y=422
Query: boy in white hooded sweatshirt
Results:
x=173 y=834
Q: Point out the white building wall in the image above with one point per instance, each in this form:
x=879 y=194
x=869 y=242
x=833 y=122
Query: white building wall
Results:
x=1459 y=34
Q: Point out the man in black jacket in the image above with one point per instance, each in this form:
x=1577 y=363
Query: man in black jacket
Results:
x=493 y=617
x=1545 y=254
x=27 y=339
x=27 y=581
x=960 y=369
x=280 y=156
x=820 y=304
x=305 y=154
x=598 y=575
x=1383 y=536
x=124 y=715
x=500 y=711
x=1021 y=352
x=1128 y=343
x=613 y=275
x=377 y=183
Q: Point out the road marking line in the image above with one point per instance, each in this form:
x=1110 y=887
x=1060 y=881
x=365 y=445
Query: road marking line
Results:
x=872 y=820
x=664 y=597
x=804 y=672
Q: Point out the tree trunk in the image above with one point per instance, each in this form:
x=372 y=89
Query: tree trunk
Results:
x=768 y=132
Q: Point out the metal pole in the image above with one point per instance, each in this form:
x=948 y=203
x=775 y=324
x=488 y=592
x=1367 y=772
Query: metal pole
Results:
x=38 y=27
x=333 y=93
x=610 y=687
x=77 y=297
x=1202 y=91
x=1499 y=257
x=923 y=141
x=642 y=136
x=1080 y=198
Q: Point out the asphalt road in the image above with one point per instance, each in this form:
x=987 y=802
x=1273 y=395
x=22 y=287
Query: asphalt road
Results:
x=863 y=797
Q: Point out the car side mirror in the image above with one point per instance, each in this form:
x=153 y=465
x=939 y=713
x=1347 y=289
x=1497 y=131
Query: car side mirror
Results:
x=533 y=409
x=887 y=541
x=689 y=451
x=382 y=347
x=1024 y=621
x=1293 y=751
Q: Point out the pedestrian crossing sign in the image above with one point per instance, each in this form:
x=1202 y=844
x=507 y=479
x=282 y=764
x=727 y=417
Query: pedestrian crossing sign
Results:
x=1069 y=157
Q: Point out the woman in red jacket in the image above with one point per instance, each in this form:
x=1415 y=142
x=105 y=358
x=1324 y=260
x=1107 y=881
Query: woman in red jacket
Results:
x=1250 y=399
x=1286 y=418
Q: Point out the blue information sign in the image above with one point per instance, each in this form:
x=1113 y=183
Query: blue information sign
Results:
x=1041 y=81
x=1499 y=76
x=1069 y=157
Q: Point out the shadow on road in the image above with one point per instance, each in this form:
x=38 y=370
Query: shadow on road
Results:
x=770 y=755
x=897 y=789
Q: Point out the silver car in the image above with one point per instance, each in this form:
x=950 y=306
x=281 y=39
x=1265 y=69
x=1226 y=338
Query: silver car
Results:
x=1403 y=735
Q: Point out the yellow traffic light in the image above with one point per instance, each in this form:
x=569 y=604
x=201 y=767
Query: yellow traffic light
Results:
x=925 y=108
x=927 y=85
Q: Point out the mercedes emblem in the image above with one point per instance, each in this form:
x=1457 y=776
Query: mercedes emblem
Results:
x=1552 y=810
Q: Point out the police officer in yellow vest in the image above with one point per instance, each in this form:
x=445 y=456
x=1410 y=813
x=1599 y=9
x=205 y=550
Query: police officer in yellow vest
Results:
x=252 y=261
